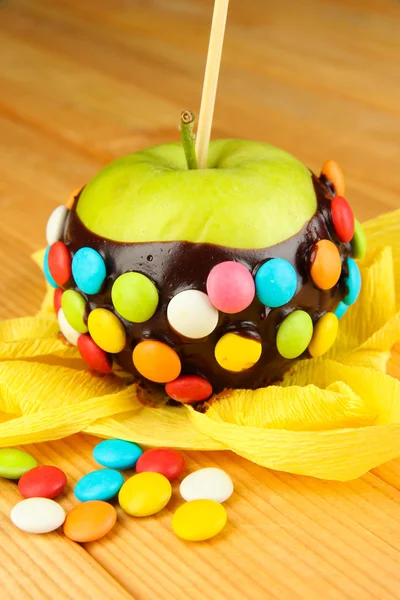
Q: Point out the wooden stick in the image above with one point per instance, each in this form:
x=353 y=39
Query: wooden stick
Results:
x=211 y=81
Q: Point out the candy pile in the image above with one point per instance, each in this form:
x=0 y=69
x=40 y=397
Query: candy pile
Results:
x=143 y=494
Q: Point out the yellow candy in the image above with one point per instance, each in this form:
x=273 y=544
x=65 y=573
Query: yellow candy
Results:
x=107 y=330
x=145 y=494
x=324 y=336
x=236 y=353
x=199 y=520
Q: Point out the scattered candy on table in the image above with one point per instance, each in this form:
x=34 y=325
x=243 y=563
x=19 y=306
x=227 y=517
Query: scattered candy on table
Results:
x=199 y=520
x=14 y=463
x=189 y=388
x=117 y=454
x=145 y=494
x=44 y=481
x=90 y=521
x=166 y=461
x=207 y=484
x=37 y=515
x=102 y=484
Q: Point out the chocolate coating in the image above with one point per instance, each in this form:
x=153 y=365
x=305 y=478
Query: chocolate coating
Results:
x=178 y=266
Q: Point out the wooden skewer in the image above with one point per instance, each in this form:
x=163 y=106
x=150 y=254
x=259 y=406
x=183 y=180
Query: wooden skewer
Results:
x=211 y=81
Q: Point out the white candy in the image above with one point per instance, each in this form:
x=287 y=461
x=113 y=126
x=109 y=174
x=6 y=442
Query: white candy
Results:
x=55 y=224
x=68 y=332
x=207 y=484
x=192 y=315
x=37 y=515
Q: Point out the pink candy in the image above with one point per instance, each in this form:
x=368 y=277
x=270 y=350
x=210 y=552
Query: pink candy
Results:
x=230 y=287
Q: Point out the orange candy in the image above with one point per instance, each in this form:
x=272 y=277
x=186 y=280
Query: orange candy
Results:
x=90 y=521
x=326 y=264
x=156 y=361
x=70 y=201
x=334 y=174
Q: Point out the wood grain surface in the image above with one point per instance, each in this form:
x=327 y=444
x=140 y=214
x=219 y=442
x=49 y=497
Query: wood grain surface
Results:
x=83 y=82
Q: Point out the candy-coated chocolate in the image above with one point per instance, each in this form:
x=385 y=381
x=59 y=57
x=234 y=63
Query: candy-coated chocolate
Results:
x=145 y=494
x=14 y=463
x=60 y=263
x=44 y=481
x=107 y=330
x=230 y=287
x=276 y=282
x=55 y=224
x=156 y=361
x=191 y=314
x=353 y=282
x=236 y=353
x=341 y=310
x=46 y=269
x=90 y=521
x=57 y=299
x=199 y=520
x=334 y=175
x=342 y=218
x=359 y=241
x=70 y=201
x=88 y=270
x=37 y=515
x=117 y=454
x=207 y=484
x=294 y=334
x=93 y=355
x=135 y=297
x=74 y=307
x=189 y=388
x=166 y=461
x=324 y=336
x=70 y=334
x=326 y=264
x=102 y=484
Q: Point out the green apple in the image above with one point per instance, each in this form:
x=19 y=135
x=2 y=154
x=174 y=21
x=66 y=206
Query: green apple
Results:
x=252 y=195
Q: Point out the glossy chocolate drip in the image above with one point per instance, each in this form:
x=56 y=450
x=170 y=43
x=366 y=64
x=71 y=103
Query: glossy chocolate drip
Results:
x=178 y=266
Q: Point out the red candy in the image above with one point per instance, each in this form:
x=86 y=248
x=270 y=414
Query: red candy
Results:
x=93 y=355
x=57 y=299
x=188 y=389
x=166 y=461
x=60 y=263
x=343 y=218
x=42 y=482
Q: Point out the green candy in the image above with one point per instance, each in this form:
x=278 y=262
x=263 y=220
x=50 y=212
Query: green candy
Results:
x=14 y=463
x=74 y=306
x=359 y=241
x=294 y=334
x=135 y=297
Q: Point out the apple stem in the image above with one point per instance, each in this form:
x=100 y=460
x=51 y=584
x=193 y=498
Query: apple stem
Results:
x=188 y=138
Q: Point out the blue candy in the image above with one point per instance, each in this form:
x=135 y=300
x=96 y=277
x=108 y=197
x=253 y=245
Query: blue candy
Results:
x=88 y=270
x=117 y=454
x=46 y=269
x=353 y=282
x=99 y=485
x=276 y=282
x=341 y=310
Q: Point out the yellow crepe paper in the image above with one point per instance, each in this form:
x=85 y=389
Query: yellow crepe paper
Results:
x=333 y=417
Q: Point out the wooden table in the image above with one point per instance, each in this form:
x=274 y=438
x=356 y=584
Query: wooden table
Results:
x=85 y=82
